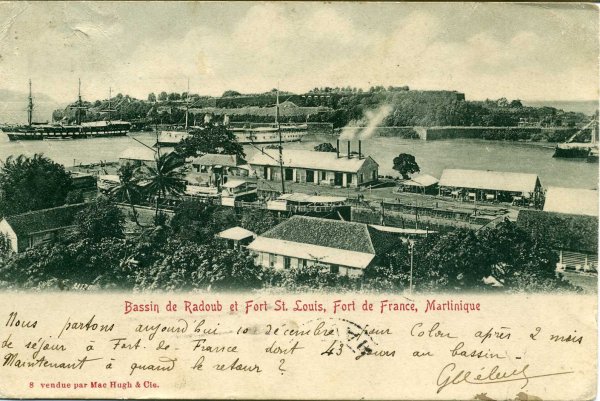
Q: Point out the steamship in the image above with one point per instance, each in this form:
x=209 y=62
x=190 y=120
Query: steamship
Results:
x=79 y=130
x=273 y=133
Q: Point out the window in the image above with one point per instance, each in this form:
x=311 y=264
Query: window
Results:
x=323 y=175
x=287 y=263
x=310 y=176
x=335 y=269
x=360 y=178
x=349 y=178
x=272 y=259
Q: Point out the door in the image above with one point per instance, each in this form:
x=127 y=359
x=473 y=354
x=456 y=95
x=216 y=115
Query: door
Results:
x=338 y=179
x=310 y=176
x=289 y=174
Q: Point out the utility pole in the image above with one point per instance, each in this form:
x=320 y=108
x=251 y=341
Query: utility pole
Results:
x=30 y=107
x=280 y=143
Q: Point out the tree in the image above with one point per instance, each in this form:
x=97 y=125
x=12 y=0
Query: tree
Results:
x=210 y=139
x=230 y=93
x=128 y=188
x=31 y=184
x=325 y=147
x=258 y=220
x=406 y=164
x=100 y=219
x=174 y=96
x=166 y=178
x=152 y=97
x=163 y=96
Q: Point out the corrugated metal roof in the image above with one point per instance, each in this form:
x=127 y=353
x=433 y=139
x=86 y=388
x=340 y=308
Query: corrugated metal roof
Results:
x=138 y=153
x=234 y=183
x=213 y=159
x=572 y=201
x=236 y=233
x=312 y=252
x=492 y=180
x=44 y=220
x=420 y=180
x=309 y=159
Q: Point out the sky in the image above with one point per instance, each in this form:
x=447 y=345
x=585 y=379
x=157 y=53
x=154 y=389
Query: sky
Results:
x=518 y=51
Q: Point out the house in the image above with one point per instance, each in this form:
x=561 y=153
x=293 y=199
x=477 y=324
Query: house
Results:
x=39 y=227
x=346 y=248
x=486 y=185
x=571 y=201
x=319 y=168
x=236 y=237
x=420 y=183
x=215 y=169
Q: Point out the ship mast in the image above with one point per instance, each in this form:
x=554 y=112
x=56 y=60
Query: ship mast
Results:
x=187 y=104
x=109 y=97
x=280 y=143
x=78 y=114
x=30 y=107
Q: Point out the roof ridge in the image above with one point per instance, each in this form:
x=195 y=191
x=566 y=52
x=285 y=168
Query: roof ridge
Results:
x=45 y=210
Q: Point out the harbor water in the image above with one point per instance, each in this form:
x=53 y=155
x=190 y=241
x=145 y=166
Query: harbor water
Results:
x=432 y=156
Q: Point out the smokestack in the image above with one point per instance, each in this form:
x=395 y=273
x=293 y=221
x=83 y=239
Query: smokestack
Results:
x=359 y=149
x=337 y=149
x=348 y=149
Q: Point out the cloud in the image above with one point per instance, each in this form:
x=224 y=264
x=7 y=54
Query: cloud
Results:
x=139 y=48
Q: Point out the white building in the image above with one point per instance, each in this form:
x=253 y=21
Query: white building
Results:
x=347 y=248
x=29 y=229
x=319 y=168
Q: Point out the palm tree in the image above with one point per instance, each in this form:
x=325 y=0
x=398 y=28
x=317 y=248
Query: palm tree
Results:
x=128 y=188
x=167 y=177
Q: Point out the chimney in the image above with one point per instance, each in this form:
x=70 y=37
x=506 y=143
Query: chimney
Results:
x=348 y=149
x=337 y=149
x=359 y=149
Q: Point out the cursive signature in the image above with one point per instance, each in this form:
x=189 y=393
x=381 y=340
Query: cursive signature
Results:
x=450 y=375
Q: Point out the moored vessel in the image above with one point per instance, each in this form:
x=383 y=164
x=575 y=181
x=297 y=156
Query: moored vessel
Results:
x=79 y=130
x=580 y=150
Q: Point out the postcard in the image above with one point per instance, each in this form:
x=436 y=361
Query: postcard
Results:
x=299 y=200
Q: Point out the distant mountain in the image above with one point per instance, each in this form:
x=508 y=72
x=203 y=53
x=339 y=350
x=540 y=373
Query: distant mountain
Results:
x=13 y=106
x=587 y=107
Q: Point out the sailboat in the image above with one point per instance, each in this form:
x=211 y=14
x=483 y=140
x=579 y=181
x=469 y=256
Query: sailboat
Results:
x=79 y=130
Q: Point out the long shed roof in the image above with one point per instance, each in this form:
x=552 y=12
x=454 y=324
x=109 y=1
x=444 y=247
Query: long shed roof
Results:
x=491 y=180
x=572 y=201
x=44 y=220
x=309 y=159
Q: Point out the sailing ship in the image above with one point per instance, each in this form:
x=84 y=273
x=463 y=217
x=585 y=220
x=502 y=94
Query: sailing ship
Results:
x=580 y=150
x=79 y=130
x=244 y=135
